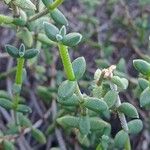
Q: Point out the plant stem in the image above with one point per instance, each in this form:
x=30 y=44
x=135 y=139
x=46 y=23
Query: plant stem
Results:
x=128 y=144
x=55 y=4
x=20 y=64
x=18 y=81
x=38 y=15
x=63 y=50
x=50 y=8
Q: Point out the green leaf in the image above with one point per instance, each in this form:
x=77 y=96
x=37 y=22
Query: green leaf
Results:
x=143 y=83
x=51 y=31
x=95 y=104
x=21 y=50
x=5 y=19
x=135 y=126
x=142 y=66
x=83 y=140
x=121 y=66
x=71 y=101
x=38 y=135
x=44 y=39
x=6 y=103
x=12 y=129
x=98 y=124
x=68 y=121
x=31 y=53
x=4 y=94
x=47 y=2
x=12 y=51
x=23 y=109
x=84 y=125
x=59 y=37
x=98 y=91
x=110 y=98
x=79 y=67
x=104 y=143
x=7 y=145
x=24 y=4
x=72 y=39
x=121 y=139
x=24 y=121
x=99 y=147
x=23 y=15
x=58 y=17
x=128 y=109
x=66 y=89
x=121 y=83
x=62 y=31
x=7 y=1
x=19 y=21
x=145 y=97
x=16 y=88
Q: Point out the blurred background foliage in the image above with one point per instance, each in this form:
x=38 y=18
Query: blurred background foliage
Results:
x=114 y=32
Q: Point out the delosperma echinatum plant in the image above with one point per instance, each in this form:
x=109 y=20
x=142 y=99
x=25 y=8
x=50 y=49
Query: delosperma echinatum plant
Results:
x=85 y=116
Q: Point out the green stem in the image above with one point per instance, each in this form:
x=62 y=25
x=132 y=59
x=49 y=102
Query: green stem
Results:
x=128 y=145
x=55 y=4
x=50 y=8
x=38 y=15
x=20 y=64
x=6 y=19
x=63 y=50
x=18 y=81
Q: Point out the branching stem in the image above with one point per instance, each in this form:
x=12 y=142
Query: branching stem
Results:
x=50 y=8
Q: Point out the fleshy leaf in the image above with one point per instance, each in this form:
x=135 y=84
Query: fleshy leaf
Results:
x=51 y=31
x=38 y=135
x=6 y=103
x=58 y=17
x=24 y=109
x=110 y=98
x=84 y=125
x=128 y=109
x=31 y=53
x=79 y=67
x=66 y=89
x=121 y=139
x=135 y=126
x=142 y=66
x=12 y=51
x=143 y=83
x=95 y=104
x=71 y=101
x=121 y=83
x=145 y=97
x=72 y=39
x=68 y=121
x=24 y=4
